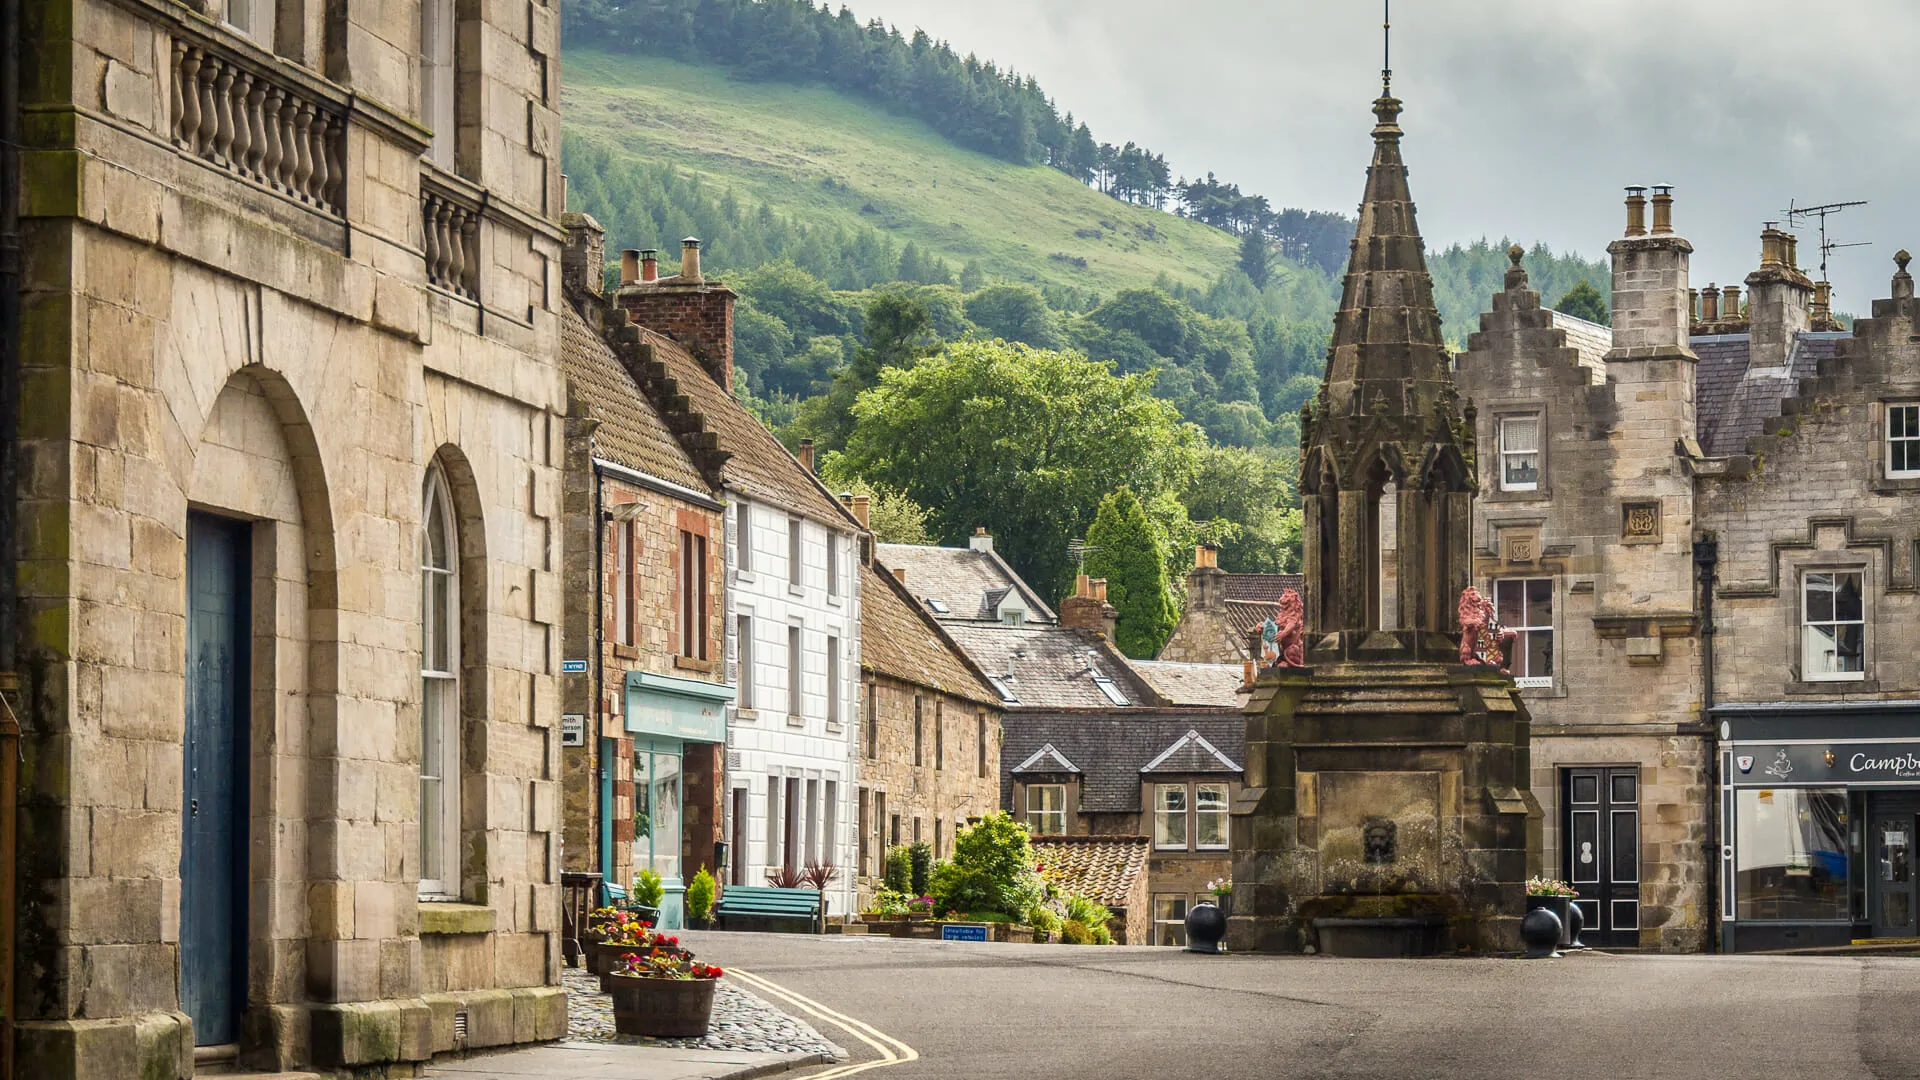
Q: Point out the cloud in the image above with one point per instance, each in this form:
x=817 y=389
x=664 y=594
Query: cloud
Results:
x=1524 y=118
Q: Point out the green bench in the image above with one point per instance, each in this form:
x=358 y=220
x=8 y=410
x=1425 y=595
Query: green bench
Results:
x=756 y=902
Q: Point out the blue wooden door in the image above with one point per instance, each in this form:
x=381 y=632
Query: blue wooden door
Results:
x=213 y=849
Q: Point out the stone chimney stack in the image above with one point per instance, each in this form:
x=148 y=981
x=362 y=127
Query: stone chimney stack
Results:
x=629 y=267
x=1651 y=314
x=1087 y=608
x=1779 y=302
x=695 y=312
x=1206 y=582
x=981 y=540
x=863 y=510
x=583 y=261
x=806 y=454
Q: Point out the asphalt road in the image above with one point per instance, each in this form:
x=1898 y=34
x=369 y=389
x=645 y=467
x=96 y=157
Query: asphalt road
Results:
x=1064 y=1013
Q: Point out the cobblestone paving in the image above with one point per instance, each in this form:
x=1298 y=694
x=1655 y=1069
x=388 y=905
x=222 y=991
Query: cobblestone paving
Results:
x=741 y=1021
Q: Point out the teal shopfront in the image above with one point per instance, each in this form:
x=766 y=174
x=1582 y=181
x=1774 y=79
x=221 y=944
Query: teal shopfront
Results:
x=674 y=725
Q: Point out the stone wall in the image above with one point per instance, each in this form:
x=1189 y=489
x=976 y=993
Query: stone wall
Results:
x=944 y=785
x=196 y=339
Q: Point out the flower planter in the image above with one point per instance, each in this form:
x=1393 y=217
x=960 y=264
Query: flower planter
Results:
x=1558 y=905
x=661 y=1008
x=603 y=957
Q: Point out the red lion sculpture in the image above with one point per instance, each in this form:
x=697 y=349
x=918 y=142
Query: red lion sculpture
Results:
x=1482 y=638
x=1283 y=635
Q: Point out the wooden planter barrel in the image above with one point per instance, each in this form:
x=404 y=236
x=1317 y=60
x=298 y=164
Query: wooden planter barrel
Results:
x=610 y=955
x=661 y=1008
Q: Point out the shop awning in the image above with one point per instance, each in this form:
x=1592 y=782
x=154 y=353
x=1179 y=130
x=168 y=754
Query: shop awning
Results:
x=677 y=708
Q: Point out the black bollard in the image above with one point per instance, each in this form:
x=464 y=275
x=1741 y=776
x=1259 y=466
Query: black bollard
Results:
x=1206 y=927
x=1540 y=931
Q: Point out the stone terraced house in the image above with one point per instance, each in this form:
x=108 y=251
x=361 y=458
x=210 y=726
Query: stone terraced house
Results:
x=290 y=546
x=1224 y=611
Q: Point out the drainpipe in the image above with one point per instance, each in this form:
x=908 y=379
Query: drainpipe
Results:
x=602 y=767
x=1706 y=561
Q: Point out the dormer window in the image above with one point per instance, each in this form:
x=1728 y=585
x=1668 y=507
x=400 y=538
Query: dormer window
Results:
x=1013 y=617
x=1903 y=441
x=1520 y=453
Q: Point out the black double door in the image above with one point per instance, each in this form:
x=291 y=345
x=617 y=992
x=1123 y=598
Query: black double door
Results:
x=1600 y=823
x=1891 y=831
x=213 y=849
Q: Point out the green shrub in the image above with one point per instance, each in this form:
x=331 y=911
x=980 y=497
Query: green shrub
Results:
x=1043 y=918
x=987 y=916
x=888 y=902
x=920 y=857
x=700 y=895
x=1075 y=932
x=1092 y=915
x=991 y=870
x=647 y=889
x=899 y=874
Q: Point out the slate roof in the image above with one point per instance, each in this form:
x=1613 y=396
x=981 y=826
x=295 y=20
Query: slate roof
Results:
x=631 y=433
x=1260 y=588
x=1050 y=669
x=1194 y=753
x=899 y=639
x=761 y=467
x=1111 y=748
x=1193 y=684
x=970 y=583
x=1103 y=868
x=1733 y=403
x=1589 y=340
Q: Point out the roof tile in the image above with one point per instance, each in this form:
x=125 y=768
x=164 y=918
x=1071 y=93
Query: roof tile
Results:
x=899 y=639
x=1102 y=868
x=1111 y=748
x=631 y=433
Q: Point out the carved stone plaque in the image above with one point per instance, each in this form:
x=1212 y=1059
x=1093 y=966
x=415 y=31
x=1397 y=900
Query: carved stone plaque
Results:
x=1640 y=521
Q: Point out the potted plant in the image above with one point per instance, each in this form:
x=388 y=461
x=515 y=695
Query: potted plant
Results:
x=699 y=901
x=1556 y=896
x=1222 y=890
x=603 y=923
x=662 y=996
x=920 y=908
x=648 y=891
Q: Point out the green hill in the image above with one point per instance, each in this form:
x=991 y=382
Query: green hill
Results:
x=829 y=161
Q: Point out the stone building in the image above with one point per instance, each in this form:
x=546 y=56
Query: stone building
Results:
x=289 y=536
x=972 y=584
x=644 y=719
x=1698 y=523
x=1224 y=611
x=793 y=583
x=929 y=758
x=1157 y=782
x=1109 y=870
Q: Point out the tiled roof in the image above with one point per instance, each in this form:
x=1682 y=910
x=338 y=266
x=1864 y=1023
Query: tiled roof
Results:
x=1102 y=868
x=631 y=432
x=898 y=639
x=1245 y=617
x=1735 y=403
x=1193 y=684
x=760 y=466
x=970 y=584
x=1589 y=340
x=1260 y=588
x=1049 y=665
x=1110 y=749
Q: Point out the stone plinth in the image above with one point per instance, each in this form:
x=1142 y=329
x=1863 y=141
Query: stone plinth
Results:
x=1386 y=781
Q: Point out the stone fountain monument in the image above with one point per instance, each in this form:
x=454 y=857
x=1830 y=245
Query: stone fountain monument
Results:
x=1386 y=808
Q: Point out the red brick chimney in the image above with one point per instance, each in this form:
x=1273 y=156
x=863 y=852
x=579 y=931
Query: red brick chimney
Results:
x=688 y=308
x=1087 y=608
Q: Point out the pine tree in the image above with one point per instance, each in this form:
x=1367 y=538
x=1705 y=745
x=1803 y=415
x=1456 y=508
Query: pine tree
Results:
x=1583 y=301
x=1124 y=549
x=1255 y=259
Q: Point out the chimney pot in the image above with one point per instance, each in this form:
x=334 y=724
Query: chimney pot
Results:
x=863 y=510
x=1793 y=251
x=1099 y=585
x=629 y=266
x=649 y=265
x=981 y=540
x=1730 y=302
x=806 y=454
x=1663 y=209
x=900 y=574
x=690 y=260
x=1710 y=303
x=1636 y=210
x=1693 y=303
x=1083 y=587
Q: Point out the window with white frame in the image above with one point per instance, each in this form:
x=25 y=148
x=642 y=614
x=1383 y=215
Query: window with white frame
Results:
x=1519 y=453
x=1903 y=440
x=743 y=540
x=795 y=674
x=254 y=18
x=796 y=565
x=833 y=680
x=437 y=75
x=833 y=563
x=1170 y=816
x=1047 y=809
x=1833 y=620
x=439 y=693
x=1170 y=919
x=743 y=673
x=1525 y=606
x=1210 y=817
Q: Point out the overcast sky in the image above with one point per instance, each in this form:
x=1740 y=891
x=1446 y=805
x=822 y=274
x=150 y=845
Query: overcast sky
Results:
x=1524 y=117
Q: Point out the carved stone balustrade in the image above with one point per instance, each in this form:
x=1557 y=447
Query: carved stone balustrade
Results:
x=247 y=117
x=450 y=222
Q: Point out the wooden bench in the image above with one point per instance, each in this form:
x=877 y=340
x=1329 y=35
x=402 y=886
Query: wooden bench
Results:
x=756 y=902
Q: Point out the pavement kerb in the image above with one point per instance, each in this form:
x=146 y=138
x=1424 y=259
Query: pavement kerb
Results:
x=787 y=1063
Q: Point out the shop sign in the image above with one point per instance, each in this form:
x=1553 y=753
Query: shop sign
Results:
x=1828 y=764
x=573 y=729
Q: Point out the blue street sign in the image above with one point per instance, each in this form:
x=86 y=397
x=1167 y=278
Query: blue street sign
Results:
x=954 y=932
x=573 y=667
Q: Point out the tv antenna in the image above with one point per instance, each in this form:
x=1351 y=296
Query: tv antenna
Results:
x=1078 y=550
x=1827 y=247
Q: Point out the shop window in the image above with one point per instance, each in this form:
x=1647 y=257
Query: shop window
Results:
x=693 y=595
x=1170 y=919
x=1525 y=606
x=439 y=693
x=830 y=821
x=1047 y=809
x=1790 y=854
x=1903 y=441
x=1833 y=626
x=656 y=810
x=1210 y=817
x=438 y=76
x=1519 y=453
x=1170 y=816
x=797 y=816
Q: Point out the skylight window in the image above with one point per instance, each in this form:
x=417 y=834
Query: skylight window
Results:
x=1108 y=688
x=939 y=606
x=1006 y=692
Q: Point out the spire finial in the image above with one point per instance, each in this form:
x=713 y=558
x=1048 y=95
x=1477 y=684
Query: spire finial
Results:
x=1386 y=49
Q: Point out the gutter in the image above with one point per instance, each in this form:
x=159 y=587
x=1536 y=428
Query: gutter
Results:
x=1706 y=561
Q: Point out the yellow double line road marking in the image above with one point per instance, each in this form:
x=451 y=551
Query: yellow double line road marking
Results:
x=891 y=1050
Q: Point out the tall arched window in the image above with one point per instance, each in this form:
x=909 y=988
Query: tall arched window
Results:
x=439 y=693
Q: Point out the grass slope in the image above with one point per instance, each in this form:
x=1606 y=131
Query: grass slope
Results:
x=811 y=152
